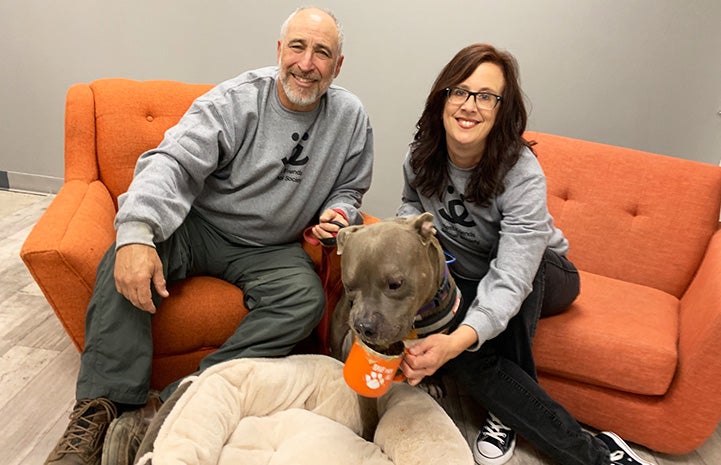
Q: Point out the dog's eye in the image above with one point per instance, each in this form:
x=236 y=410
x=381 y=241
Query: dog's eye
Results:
x=395 y=284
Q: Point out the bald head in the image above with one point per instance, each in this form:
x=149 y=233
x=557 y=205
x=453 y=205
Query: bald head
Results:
x=318 y=13
x=309 y=57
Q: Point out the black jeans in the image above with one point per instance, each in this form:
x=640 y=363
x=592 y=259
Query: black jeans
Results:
x=501 y=375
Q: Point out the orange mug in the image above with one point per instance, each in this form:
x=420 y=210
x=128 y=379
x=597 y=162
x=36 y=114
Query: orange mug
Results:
x=371 y=373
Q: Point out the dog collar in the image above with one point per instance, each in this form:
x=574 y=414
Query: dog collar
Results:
x=429 y=319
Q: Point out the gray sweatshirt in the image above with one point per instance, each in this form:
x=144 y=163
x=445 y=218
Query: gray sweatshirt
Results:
x=517 y=222
x=256 y=170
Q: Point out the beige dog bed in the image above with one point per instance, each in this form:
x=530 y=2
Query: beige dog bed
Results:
x=298 y=410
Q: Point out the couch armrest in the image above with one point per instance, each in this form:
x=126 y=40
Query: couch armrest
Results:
x=695 y=386
x=80 y=150
x=65 y=246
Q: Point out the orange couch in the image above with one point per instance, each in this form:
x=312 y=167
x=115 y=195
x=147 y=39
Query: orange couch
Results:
x=638 y=352
x=108 y=124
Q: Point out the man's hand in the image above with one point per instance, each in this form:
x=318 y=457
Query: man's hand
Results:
x=136 y=266
x=325 y=229
x=429 y=354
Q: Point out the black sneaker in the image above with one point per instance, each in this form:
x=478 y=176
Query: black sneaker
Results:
x=621 y=454
x=495 y=442
x=82 y=442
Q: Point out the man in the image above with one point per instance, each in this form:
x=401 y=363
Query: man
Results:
x=227 y=193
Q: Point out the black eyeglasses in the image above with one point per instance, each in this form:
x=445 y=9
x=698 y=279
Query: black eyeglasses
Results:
x=484 y=100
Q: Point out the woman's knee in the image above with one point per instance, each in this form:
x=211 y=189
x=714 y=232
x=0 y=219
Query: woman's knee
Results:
x=561 y=282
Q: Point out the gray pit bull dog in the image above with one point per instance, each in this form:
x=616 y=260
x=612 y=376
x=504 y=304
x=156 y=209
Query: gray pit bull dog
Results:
x=397 y=285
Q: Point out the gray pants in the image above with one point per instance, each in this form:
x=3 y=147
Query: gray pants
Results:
x=281 y=290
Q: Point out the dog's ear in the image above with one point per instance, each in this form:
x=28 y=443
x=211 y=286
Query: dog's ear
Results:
x=423 y=224
x=342 y=237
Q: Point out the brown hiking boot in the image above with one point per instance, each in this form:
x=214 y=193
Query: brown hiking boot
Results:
x=126 y=432
x=83 y=439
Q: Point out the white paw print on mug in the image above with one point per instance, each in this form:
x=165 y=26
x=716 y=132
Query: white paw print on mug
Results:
x=377 y=378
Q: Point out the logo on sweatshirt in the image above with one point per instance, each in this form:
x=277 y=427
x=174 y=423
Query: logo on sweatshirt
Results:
x=294 y=158
x=292 y=165
x=456 y=212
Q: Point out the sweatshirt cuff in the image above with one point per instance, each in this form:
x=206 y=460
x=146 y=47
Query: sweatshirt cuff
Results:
x=407 y=210
x=481 y=324
x=134 y=232
x=352 y=215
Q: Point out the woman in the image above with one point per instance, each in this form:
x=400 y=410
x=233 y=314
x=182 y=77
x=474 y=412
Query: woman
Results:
x=470 y=166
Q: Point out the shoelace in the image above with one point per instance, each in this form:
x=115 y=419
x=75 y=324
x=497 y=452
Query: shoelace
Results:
x=495 y=429
x=617 y=456
x=85 y=425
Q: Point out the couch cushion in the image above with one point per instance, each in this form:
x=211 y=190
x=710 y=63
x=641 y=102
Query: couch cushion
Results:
x=201 y=313
x=617 y=334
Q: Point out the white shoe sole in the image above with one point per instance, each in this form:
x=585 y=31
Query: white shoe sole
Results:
x=483 y=460
x=623 y=446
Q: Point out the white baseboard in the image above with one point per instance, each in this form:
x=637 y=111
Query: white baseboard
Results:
x=26 y=182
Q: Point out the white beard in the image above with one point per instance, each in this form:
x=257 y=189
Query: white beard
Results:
x=298 y=98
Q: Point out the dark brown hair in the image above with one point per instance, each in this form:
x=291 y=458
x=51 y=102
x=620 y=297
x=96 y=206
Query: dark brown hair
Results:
x=505 y=140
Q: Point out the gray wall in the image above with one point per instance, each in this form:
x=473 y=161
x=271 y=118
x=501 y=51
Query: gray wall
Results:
x=644 y=74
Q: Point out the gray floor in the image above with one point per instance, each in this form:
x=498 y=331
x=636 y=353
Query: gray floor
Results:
x=38 y=364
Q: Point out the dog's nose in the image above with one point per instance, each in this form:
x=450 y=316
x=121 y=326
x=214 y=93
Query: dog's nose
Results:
x=368 y=329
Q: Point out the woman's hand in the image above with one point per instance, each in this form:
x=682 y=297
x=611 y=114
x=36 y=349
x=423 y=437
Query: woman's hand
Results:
x=429 y=354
